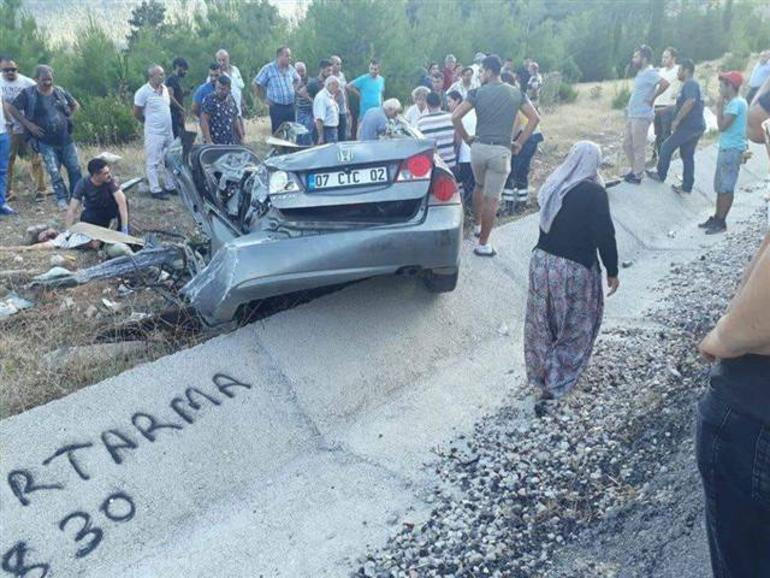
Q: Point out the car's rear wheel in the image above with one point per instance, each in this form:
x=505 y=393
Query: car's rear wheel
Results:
x=441 y=282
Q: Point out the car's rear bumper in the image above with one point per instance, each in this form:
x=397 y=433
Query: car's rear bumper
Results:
x=251 y=267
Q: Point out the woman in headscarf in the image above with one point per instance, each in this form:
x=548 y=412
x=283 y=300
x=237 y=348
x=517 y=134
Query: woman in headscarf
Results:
x=566 y=300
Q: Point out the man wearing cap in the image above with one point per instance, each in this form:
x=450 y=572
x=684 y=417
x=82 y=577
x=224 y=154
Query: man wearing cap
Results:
x=731 y=119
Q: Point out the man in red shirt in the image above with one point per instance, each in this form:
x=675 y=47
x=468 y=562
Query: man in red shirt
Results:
x=450 y=62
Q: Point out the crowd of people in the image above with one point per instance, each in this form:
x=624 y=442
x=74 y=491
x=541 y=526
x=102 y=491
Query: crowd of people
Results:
x=483 y=119
x=671 y=100
x=41 y=115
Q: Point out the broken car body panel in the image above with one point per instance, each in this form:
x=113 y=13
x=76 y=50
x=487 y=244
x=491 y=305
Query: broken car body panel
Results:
x=320 y=216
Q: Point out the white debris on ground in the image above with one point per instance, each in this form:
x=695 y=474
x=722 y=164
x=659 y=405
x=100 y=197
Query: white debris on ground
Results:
x=612 y=462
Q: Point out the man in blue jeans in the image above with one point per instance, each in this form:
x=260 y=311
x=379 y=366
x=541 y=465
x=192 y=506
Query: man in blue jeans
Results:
x=733 y=429
x=5 y=151
x=687 y=128
x=45 y=111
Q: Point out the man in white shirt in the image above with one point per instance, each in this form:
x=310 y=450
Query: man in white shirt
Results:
x=236 y=82
x=152 y=107
x=463 y=172
x=5 y=149
x=420 y=106
x=665 y=104
x=759 y=74
x=342 y=97
x=326 y=111
x=466 y=83
x=11 y=84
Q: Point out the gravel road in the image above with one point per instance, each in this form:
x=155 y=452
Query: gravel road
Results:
x=602 y=484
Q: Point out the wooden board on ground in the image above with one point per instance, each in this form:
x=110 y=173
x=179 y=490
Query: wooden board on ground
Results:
x=105 y=235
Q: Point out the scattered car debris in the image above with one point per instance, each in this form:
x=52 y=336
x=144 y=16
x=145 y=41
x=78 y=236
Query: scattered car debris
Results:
x=12 y=304
x=148 y=258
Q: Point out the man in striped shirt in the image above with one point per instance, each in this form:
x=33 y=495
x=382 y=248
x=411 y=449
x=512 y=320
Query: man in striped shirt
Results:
x=437 y=126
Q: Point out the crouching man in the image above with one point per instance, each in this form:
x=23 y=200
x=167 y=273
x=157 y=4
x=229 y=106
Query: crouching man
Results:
x=101 y=198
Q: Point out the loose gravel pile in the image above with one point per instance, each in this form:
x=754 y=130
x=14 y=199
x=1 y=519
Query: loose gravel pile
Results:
x=523 y=488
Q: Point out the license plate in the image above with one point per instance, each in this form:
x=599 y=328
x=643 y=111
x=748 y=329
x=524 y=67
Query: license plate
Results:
x=351 y=178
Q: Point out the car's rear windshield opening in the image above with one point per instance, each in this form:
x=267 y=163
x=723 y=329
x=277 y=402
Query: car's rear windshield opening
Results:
x=383 y=212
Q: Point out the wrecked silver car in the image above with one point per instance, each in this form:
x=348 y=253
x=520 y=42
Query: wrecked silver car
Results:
x=318 y=216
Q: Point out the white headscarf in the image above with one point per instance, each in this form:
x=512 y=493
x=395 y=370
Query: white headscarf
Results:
x=582 y=164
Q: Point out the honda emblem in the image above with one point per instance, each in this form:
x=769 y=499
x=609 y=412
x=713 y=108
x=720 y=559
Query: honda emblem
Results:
x=345 y=155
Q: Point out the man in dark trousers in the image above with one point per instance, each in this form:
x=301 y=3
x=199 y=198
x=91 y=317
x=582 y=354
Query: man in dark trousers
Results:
x=101 y=198
x=733 y=429
x=174 y=84
x=275 y=84
x=687 y=128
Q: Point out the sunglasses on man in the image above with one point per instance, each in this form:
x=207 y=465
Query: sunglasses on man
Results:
x=10 y=69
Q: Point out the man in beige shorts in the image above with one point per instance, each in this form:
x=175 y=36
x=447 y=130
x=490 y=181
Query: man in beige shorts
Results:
x=496 y=105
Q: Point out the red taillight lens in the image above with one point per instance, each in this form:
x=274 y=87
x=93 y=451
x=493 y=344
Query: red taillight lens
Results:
x=419 y=166
x=416 y=167
x=444 y=188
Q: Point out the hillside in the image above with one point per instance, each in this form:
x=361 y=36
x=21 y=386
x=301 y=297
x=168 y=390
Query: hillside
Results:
x=63 y=19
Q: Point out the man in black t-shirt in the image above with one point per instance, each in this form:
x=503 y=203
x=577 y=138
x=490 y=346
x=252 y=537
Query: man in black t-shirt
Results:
x=174 y=84
x=101 y=198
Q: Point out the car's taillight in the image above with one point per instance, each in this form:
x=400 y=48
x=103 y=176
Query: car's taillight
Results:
x=415 y=168
x=444 y=188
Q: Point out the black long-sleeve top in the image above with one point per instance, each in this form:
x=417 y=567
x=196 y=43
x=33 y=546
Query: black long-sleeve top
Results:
x=583 y=226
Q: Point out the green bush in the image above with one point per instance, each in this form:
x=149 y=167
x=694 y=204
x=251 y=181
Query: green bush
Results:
x=105 y=120
x=567 y=93
x=734 y=61
x=621 y=98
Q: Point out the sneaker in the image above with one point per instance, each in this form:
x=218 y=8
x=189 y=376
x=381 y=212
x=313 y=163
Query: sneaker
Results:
x=653 y=174
x=632 y=179
x=6 y=210
x=172 y=192
x=707 y=223
x=159 y=196
x=477 y=231
x=718 y=226
x=509 y=194
x=39 y=197
x=62 y=204
x=485 y=250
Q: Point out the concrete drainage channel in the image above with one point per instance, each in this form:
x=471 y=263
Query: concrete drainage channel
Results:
x=294 y=444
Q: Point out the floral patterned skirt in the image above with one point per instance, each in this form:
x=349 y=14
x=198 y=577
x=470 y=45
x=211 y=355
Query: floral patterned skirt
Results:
x=564 y=313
